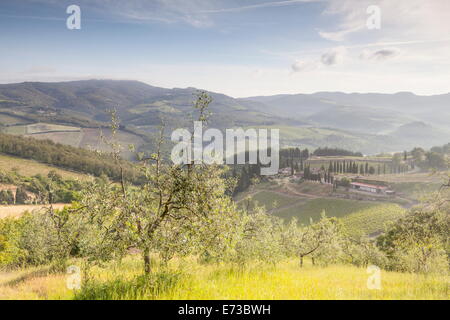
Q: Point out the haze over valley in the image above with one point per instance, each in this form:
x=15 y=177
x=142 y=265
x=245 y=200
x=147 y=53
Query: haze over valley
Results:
x=370 y=123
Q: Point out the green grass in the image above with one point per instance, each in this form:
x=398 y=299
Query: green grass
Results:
x=313 y=209
x=161 y=106
x=16 y=130
x=416 y=190
x=269 y=200
x=185 y=279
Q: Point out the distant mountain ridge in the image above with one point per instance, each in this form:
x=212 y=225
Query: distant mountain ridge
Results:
x=370 y=122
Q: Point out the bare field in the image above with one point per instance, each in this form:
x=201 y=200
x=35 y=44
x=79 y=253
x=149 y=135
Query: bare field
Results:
x=92 y=141
x=46 y=127
x=71 y=138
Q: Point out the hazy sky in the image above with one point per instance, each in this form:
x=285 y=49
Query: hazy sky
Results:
x=237 y=47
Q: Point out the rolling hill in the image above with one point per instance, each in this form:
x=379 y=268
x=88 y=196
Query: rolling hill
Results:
x=73 y=112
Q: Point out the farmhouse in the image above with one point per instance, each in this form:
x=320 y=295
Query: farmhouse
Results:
x=369 y=187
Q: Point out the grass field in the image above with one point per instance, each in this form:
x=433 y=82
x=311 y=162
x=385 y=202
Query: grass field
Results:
x=313 y=209
x=313 y=188
x=92 y=140
x=30 y=168
x=38 y=128
x=88 y=138
x=420 y=177
x=161 y=106
x=18 y=210
x=6 y=119
x=188 y=280
x=72 y=138
x=416 y=190
x=269 y=200
x=47 y=127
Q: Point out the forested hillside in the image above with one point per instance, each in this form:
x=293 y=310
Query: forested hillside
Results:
x=64 y=156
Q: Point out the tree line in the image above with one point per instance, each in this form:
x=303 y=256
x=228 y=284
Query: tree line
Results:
x=335 y=152
x=67 y=157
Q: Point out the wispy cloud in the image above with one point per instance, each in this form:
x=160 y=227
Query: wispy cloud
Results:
x=410 y=19
x=334 y=56
x=303 y=66
x=260 y=5
x=380 y=55
x=197 y=13
x=339 y=35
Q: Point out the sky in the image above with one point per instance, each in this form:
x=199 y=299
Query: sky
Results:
x=240 y=48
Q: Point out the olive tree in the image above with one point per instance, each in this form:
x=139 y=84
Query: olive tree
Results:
x=361 y=251
x=318 y=241
x=260 y=238
x=168 y=212
x=420 y=241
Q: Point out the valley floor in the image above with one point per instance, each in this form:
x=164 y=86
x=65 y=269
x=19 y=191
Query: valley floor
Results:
x=187 y=279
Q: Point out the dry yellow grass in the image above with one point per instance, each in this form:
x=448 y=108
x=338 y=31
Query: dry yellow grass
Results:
x=286 y=281
x=18 y=210
x=30 y=168
x=33 y=284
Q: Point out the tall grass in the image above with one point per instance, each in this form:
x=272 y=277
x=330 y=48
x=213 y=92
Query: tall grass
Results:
x=138 y=288
x=187 y=279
